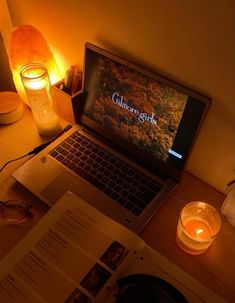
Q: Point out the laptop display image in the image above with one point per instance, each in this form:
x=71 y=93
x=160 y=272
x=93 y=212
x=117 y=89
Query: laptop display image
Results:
x=126 y=153
x=135 y=107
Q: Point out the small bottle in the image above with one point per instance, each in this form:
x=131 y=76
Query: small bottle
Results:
x=228 y=207
x=37 y=87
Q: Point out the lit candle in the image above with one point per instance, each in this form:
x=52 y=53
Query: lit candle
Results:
x=38 y=90
x=198 y=228
x=198 y=225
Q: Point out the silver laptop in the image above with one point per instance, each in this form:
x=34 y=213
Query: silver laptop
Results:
x=125 y=155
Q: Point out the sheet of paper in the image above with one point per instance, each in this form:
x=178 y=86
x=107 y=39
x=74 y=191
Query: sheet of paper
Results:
x=74 y=254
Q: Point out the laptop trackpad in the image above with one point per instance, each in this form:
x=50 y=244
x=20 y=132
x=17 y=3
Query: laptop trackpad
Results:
x=63 y=183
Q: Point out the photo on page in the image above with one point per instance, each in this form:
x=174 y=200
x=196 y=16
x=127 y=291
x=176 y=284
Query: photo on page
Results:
x=95 y=279
x=114 y=255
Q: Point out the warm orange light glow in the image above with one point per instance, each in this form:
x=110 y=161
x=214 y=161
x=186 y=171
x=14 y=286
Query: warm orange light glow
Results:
x=26 y=46
x=198 y=225
x=61 y=60
x=33 y=79
x=199 y=231
x=198 y=228
x=38 y=91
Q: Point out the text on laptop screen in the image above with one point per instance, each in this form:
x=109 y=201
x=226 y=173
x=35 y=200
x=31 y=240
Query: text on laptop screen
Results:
x=140 y=109
x=155 y=117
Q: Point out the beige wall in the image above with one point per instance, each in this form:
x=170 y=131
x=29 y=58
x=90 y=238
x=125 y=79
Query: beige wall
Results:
x=192 y=42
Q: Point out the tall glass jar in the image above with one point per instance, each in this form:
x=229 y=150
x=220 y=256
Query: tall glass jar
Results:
x=37 y=87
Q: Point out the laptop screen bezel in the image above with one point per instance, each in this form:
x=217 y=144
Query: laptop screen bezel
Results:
x=123 y=146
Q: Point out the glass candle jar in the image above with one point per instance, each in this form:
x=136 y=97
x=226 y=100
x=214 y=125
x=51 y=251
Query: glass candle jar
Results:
x=198 y=225
x=37 y=87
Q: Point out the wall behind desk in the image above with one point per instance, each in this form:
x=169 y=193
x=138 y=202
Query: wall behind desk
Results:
x=191 y=42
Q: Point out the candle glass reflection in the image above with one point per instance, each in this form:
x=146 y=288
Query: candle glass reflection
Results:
x=37 y=87
x=198 y=225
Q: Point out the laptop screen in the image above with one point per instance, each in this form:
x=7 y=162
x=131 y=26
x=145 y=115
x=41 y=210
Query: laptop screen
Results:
x=151 y=118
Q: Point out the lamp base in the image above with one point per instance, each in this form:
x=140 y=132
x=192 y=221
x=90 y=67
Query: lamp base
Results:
x=11 y=107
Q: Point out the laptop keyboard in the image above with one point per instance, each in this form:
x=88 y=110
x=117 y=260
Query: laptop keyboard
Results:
x=116 y=178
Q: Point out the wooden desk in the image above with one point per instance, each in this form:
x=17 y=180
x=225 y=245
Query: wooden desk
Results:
x=215 y=269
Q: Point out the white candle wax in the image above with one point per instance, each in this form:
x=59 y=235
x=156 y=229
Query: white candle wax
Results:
x=38 y=90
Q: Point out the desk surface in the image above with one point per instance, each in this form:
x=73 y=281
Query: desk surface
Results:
x=215 y=268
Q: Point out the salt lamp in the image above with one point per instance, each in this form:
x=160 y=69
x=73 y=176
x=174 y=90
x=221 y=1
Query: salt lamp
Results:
x=27 y=45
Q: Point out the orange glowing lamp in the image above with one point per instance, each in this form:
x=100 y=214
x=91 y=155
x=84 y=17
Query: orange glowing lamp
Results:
x=26 y=46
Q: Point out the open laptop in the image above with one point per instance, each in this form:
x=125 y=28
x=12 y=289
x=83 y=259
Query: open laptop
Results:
x=125 y=155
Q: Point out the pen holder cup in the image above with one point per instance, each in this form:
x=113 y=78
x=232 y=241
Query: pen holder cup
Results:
x=63 y=103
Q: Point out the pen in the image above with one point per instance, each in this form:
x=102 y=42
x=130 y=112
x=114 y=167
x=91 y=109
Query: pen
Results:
x=68 y=78
x=76 y=82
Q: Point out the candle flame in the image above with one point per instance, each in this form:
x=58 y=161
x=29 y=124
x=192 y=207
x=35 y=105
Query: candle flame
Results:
x=198 y=231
